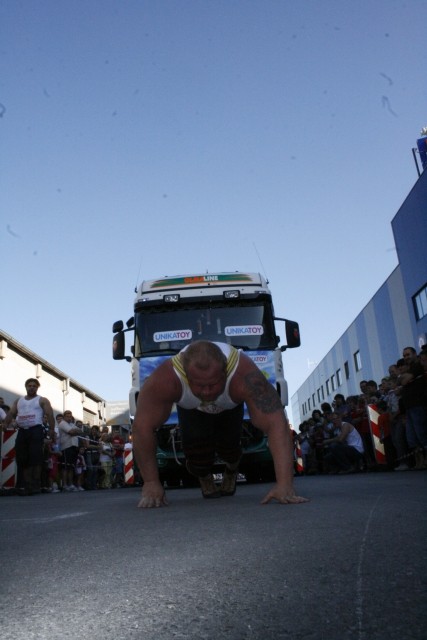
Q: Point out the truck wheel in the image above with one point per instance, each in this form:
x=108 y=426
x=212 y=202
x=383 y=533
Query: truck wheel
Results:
x=173 y=483
x=252 y=476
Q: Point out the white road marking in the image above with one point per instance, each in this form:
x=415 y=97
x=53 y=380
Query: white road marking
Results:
x=76 y=514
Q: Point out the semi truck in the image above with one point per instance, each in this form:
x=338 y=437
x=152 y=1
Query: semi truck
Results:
x=232 y=307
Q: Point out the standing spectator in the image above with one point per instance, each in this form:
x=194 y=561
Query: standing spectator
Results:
x=4 y=407
x=342 y=407
x=422 y=356
x=28 y=412
x=363 y=386
x=92 y=458
x=47 y=439
x=69 y=445
x=360 y=420
x=384 y=428
x=80 y=469
x=53 y=464
x=414 y=399
x=305 y=446
x=372 y=394
x=106 y=458
x=118 y=462
x=397 y=424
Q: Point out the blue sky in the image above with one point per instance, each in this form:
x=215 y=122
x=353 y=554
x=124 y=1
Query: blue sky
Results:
x=149 y=138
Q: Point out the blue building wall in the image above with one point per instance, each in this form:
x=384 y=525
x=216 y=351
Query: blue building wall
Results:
x=386 y=325
x=410 y=231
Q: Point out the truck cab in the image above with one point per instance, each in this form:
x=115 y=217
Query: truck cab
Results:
x=235 y=308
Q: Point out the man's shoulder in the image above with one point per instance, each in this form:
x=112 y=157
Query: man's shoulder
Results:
x=163 y=383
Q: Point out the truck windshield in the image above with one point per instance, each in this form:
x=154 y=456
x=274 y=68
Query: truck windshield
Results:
x=248 y=326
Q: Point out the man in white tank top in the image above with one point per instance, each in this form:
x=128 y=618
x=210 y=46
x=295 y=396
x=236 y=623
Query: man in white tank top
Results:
x=345 y=450
x=28 y=412
x=209 y=382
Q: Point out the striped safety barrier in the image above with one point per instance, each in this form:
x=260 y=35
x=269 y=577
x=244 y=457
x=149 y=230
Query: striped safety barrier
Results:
x=299 y=463
x=129 y=473
x=379 y=451
x=8 y=459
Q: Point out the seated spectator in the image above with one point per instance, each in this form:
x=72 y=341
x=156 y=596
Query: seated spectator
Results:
x=342 y=407
x=345 y=450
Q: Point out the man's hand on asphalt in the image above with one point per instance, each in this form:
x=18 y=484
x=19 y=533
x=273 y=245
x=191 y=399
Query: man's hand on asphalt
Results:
x=153 y=495
x=283 y=495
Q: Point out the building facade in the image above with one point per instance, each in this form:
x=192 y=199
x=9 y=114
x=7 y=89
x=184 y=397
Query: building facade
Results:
x=395 y=317
x=17 y=364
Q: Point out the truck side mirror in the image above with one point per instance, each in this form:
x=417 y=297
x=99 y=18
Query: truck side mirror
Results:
x=293 y=338
x=119 y=346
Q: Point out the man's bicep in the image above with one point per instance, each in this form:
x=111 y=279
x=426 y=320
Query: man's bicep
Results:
x=259 y=395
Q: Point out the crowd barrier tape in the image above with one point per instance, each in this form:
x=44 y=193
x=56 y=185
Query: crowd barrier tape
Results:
x=129 y=473
x=8 y=459
x=379 y=451
x=299 y=464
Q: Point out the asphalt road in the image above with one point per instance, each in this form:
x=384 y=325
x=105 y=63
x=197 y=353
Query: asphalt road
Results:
x=349 y=565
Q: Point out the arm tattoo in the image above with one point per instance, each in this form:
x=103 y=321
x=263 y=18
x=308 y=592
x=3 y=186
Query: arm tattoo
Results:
x=262 y=393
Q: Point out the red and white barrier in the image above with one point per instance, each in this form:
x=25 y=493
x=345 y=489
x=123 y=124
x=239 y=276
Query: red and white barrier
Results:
x=8 y=459
x=129 y=474
x=299 y=463
x=379 y=451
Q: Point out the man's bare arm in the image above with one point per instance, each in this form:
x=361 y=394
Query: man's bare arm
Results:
x=155 y=401
x=266 y=412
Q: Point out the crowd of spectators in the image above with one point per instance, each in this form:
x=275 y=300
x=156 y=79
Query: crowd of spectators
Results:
x=93 y=461
x=338 y=438
x=75 y=457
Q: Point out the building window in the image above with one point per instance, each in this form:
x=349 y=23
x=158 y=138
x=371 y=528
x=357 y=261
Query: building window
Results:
x=309 y=404
x=319 y=399
x=420 y=303
x=333 y=383
x=347 y=370
x=357 y=361
x=328 y=391
x=313 y=397
x=339 y=377
x=323 y=392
